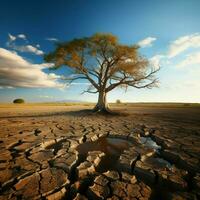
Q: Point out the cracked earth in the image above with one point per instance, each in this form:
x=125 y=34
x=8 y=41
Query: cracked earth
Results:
x=71 y=154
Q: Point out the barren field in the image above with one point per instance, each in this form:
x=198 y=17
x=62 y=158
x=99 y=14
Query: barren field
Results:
x=66 y=152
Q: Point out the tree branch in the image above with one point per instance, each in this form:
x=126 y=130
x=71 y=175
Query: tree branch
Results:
x=73 y=79
x=134 y=82
x=89 y=90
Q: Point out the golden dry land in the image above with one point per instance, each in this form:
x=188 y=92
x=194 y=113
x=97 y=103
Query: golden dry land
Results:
x=63 y=151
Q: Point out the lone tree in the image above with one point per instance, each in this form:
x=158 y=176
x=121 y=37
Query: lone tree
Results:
x=105 y=63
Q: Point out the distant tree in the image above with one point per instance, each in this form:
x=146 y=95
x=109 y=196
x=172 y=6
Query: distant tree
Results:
x=105 y=63
x=118 y=101
x=19 y=101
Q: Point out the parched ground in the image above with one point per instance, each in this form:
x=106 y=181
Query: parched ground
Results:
x=63 y=152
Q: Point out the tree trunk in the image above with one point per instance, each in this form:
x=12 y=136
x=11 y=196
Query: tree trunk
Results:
x=101 y=105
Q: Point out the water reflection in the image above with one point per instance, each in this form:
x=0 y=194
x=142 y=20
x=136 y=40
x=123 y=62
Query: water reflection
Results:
x=148 y=142
x=108 y=145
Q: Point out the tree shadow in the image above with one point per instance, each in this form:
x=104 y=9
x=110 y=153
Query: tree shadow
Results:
x=81 y=113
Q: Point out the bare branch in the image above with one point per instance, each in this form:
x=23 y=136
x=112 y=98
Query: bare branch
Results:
x=89 y=90
x=93 y=73
x=135 y=82
x=73 y=79
x=91 y=81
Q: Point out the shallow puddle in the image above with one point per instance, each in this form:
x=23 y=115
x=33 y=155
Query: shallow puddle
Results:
x=148 y=142
x=108 y=145
x=112 y=147
x=155 y=162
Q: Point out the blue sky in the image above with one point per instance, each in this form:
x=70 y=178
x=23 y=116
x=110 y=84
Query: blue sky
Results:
x=168 y=32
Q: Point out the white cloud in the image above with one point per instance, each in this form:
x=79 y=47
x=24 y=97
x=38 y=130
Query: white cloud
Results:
x=52 y=39
x=21 y=36
x=53 y=76
x=28 y=48
x=23 y=48
x=190 y=60
x=147 y=42
x=11 y=38
x=15 y=71
x=46 y=96
x=184 y=43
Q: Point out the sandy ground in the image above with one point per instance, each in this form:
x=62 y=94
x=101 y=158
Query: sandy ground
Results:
x=39 y=156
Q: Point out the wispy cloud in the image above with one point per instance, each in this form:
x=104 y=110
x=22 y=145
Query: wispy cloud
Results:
x=15 y=71
x=46 y=96
x=183 y=43
x=29 y=49
x=190 y=60
x=23 y=48
x=147 y=42
x=52 y=39
x=11 y=38
x=22 y=36
x=177 y=48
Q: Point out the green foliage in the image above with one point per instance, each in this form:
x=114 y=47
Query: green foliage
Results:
x=19 y=101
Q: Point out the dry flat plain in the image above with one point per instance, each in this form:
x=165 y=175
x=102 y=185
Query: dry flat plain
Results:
x=65 y=152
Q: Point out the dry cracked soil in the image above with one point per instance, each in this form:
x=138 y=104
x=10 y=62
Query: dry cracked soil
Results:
x=64 y=152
